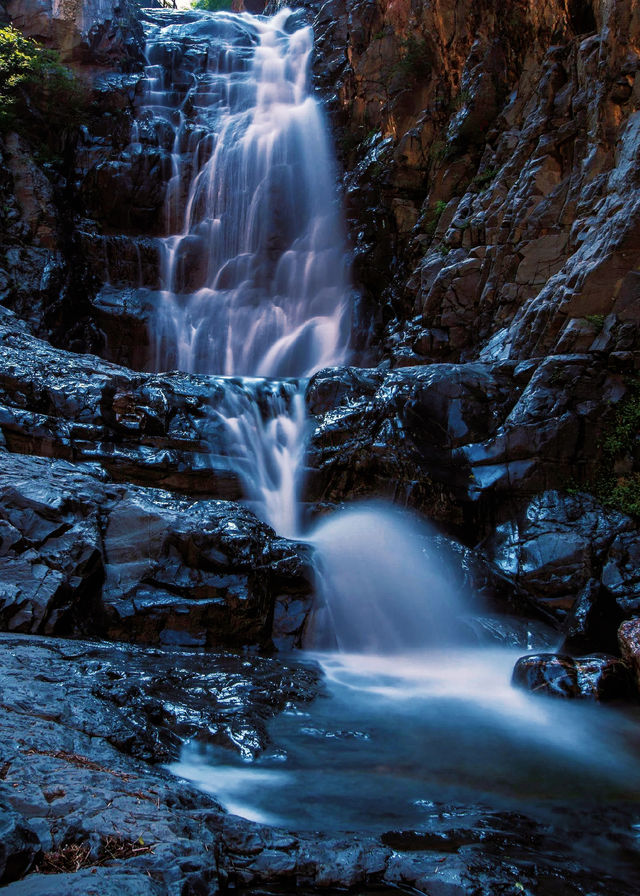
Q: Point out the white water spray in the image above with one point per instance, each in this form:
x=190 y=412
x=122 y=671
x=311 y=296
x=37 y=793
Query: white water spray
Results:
x=383 y=586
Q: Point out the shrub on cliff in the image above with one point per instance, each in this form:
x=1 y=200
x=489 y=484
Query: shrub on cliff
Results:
x=39 y=97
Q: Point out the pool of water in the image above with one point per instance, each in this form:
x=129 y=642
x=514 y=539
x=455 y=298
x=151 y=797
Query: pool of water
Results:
x=396 y=741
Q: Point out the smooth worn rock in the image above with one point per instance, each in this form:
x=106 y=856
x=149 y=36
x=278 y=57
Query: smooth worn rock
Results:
x=148 y=703
x=597 y=677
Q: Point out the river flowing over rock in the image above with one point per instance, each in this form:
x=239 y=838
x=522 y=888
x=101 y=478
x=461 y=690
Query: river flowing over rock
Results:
x=204 y=358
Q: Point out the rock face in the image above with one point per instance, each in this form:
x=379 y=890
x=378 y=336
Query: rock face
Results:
x=87 y=31
x=81 y=555
x=493 y=150
x=480 y=435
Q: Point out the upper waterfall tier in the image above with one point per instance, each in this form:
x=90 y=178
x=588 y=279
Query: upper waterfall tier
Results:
x=254 y=267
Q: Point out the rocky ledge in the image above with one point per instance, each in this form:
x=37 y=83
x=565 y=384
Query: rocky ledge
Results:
x=82 y=555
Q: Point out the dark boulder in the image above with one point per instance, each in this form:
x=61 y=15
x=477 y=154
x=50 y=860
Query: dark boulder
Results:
x=559 y=544
x=598 y=677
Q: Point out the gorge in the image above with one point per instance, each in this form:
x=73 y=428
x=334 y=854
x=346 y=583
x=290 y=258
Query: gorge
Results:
x=208 y=383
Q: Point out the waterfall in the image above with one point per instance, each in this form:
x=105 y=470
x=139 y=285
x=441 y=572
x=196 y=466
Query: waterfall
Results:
x=382 y=585
x=254 y=275
x=255 y=285
x=254 y=269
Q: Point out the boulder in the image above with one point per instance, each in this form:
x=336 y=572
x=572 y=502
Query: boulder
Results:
x=598 y=677
x=81 y=554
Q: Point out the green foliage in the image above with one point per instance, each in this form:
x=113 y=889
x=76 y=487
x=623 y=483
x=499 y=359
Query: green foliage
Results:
x=625 y=495
x=481 y=181
x=416 y=59
x=39 y=97
x=620 y=443
x=623 y=436
x=596 y=321
x=212 y=5
x=439 y=151
x=432 y=223
x=460 y=100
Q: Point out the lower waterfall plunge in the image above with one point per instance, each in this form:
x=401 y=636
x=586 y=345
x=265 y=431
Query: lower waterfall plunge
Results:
x=255 y=285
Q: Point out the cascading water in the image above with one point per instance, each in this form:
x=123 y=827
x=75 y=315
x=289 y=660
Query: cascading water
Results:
x=254 y=285
x=254 y=272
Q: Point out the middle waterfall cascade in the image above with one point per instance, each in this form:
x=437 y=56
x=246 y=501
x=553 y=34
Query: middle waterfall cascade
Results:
x=255 y=285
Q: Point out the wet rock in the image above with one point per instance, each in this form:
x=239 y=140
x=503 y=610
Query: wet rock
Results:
x=556 y=546
x=621 y=572
x=148 y=703
x=446 y=437
x=106 y=881
x=81 y=554
x=19 y=845
x=400 y=433
x=597 y=677
x=629 y=641
x=157 y=430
